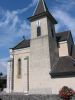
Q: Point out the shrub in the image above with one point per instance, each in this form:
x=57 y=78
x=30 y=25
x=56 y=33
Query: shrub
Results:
x=66 y=93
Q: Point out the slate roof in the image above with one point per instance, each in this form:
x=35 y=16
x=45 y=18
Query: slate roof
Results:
x=62 y=36
x=42 y=11
x=64 y=67
x=23 y=44
x=41 y=7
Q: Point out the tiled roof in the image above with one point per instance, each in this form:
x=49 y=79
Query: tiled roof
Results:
x=22 y=44
x=65 y=66
x=62 y=36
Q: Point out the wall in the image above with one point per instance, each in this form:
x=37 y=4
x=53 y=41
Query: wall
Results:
x=20 y=84
x=57 y=83
x=54 y=54
x=40 y=66
x=63 y=49
x=42 y=57
x=70 y=43
x=43 y=25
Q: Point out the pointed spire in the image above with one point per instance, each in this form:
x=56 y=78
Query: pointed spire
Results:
x=41 y=11
x=41 y=7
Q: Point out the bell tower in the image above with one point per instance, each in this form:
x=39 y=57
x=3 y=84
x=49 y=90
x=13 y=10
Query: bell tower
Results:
x=44 y=52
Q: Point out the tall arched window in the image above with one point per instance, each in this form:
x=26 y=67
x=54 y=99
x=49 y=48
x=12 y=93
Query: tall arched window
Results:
x=38 y=31
x=19 y=68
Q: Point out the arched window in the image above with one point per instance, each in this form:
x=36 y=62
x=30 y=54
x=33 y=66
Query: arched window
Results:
x=19 y=68
x=38 y=31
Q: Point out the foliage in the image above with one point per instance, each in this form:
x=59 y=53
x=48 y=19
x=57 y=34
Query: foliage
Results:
x=1 y=74
x=2 y=82
x=66 y=93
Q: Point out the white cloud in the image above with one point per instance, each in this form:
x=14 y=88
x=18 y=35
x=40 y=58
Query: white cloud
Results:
x=12 y=26
x=3 y=65
x=20 y=11
x=66 y=5
x=65 y=19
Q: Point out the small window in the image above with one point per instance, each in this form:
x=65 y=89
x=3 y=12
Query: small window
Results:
x=58 y=45
x=19 y=68
x=38 y=31
x=52 y=32
x=71 y=51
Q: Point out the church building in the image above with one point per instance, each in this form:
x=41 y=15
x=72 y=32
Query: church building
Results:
x=44 y=63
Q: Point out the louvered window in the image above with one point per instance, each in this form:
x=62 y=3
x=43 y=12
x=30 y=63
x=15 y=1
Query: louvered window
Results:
x=38 y=31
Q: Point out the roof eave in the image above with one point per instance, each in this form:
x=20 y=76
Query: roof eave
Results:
x=62 y=74
x=41 y=15
x=20 y=48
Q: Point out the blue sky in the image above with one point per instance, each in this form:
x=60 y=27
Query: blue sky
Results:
x=14 y=23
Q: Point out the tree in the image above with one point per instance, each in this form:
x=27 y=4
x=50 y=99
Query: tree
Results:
x=1 y=81
x=66 y=93
x=1 y=74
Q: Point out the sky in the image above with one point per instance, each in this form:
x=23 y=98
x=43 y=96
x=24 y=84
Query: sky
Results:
x=14 y=23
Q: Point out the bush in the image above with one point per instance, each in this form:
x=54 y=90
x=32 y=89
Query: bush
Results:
x=66 y=93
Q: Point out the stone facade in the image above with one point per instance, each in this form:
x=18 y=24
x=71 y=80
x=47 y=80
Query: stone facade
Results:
x=18 y=83
x=38 y=60
x=42 y=57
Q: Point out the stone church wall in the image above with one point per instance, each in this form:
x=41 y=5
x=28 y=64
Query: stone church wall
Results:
x=19 y=83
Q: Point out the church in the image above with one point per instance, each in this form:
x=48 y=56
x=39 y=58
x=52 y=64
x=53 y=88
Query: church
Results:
x=44 y=63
